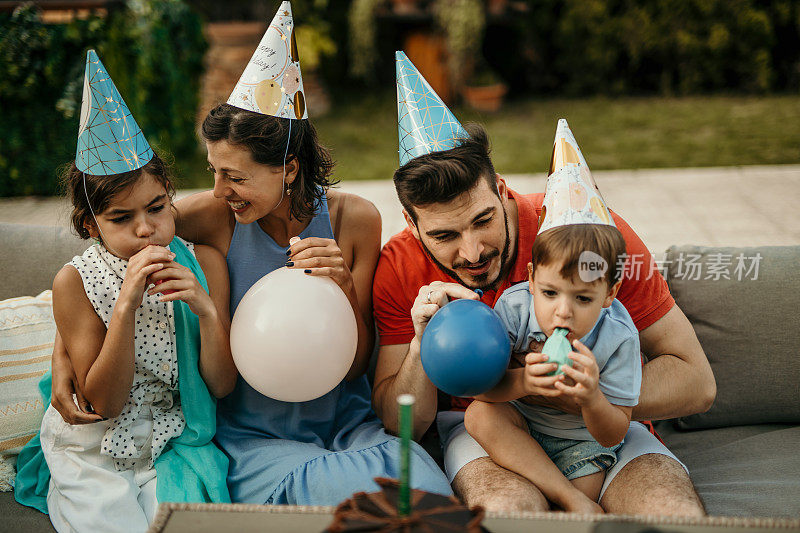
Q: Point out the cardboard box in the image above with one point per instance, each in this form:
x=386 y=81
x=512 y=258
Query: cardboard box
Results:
x=242 y=518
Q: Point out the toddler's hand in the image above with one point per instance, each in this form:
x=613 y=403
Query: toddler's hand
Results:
x=537 y=382
x=585 y=374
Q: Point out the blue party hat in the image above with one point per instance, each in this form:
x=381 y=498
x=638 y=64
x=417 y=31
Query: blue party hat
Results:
x=271 y=84
x=424 y=123
x=109 y=139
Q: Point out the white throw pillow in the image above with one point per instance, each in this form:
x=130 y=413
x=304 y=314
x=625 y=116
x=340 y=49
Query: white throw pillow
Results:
x=27 y=331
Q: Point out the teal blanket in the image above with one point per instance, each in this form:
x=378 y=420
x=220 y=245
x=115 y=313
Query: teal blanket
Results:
x=191 y=468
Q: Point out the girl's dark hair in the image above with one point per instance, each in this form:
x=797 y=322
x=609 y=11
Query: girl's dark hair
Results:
x=439 y=177
x=102 y=189
x=265 y=137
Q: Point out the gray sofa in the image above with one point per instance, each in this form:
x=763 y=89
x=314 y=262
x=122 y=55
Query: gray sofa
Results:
x=743 y=454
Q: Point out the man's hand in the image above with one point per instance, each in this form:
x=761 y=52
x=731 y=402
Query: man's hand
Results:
x=64 y=386
x=433 y=297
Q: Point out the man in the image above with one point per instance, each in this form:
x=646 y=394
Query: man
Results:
x=467 y=230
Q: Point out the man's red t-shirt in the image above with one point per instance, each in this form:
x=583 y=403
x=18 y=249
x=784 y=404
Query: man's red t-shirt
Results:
x=404 y=267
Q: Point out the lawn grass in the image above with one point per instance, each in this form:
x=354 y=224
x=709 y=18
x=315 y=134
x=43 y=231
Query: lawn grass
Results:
x=622 y=133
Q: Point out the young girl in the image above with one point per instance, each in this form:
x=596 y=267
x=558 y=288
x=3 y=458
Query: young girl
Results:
x=138 y=323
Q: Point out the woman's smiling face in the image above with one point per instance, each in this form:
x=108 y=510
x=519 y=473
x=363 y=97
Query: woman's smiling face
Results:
x=252 y=189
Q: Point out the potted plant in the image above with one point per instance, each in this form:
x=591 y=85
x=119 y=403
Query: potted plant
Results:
x=463 y=23
x=484 y=91
x=460 y=22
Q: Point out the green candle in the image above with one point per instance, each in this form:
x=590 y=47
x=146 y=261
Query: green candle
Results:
x=405 y=403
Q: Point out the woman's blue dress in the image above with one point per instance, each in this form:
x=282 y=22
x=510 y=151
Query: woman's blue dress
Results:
x=310 y=453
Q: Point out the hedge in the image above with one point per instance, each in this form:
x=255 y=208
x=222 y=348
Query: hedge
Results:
x=153 y=50
x=666 y=47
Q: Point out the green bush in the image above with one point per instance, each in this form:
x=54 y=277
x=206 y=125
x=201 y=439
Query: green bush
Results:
x=153 y=50
x=668 y=47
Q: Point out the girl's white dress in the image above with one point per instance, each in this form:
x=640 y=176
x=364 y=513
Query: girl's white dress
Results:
x=102 y=474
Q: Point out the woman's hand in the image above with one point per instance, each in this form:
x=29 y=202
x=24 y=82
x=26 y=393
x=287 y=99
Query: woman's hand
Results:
x=320 y=257
x=64 y=385
x=176 y=282
x=140 y=266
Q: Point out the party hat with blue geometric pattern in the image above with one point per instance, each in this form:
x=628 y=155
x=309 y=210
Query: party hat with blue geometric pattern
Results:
x=424 y=123
x=109 y=139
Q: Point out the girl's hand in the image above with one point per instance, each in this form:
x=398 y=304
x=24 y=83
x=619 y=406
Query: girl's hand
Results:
x=176 y=282
x=586 y=375
x=143 y=264
x=320 y=257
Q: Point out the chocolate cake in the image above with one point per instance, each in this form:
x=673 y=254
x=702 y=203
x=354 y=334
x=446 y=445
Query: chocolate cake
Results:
x=377 y=511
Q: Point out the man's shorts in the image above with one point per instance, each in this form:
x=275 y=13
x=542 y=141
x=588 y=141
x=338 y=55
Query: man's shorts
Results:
x=460 y=448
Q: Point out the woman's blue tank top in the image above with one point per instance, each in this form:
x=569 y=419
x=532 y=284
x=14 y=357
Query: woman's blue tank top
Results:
x=310 y=453
x=246 y=412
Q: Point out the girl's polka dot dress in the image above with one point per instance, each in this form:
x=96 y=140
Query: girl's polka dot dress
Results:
x=154 y=394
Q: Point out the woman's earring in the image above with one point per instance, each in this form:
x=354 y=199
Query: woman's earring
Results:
x=288 y=190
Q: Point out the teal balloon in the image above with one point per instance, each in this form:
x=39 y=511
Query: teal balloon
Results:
x=557 y=349
x=465 y=348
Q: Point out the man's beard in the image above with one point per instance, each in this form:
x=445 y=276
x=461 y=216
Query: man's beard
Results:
x=480 y=279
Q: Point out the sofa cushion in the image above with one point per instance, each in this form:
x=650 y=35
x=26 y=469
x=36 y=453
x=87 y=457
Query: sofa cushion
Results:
x=27 y=331
x=741 y=470
x=742 y=304
x=32 y=255
x=17 y=517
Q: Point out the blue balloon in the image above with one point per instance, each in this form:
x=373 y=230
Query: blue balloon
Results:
x=465 y=348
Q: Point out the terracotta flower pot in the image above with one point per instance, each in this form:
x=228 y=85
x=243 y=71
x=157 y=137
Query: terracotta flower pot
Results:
x=405 y=7
x=487 y=98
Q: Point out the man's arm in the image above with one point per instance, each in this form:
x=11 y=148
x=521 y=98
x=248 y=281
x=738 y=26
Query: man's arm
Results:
x=399 y=366
x=677 y=379
x=399 y=371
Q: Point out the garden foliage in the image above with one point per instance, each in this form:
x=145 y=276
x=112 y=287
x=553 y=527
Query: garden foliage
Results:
x=153 y=50
x=667 y=47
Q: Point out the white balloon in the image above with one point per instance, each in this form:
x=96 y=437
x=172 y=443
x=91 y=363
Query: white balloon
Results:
x=294 y=336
